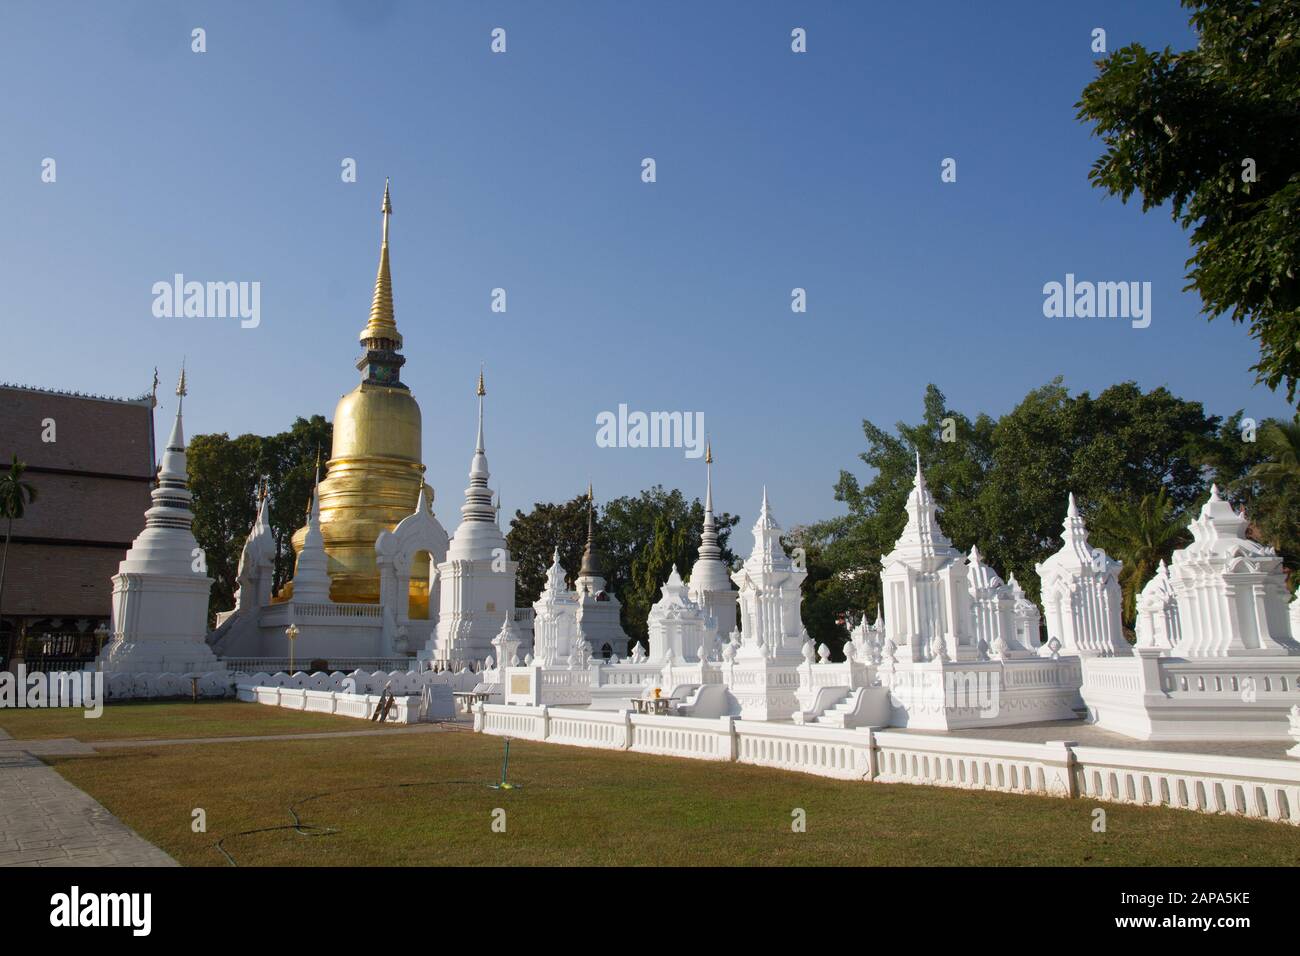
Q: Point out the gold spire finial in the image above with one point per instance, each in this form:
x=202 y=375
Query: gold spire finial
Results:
x=181 y=390
x=589 y=495
x=708 y=452
x=382 y=325
x=481 y=390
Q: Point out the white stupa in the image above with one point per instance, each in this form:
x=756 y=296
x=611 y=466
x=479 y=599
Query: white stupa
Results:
x=1081 y=594
x=311 y=580
x=477 y=579
x=770 y=596
x=1232 y=598
x=555 y=619
x=599 y=610
x=677 y=625
x=926 y=595
x=160 y=591
x=710 y=581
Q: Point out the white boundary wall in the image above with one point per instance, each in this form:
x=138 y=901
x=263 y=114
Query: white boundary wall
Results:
x=406 y=710
x=1250 y=787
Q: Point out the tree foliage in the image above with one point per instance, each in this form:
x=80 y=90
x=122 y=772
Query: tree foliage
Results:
x=1214 y=132
x=639 y=538
x=1138 y=462
x=224 y=477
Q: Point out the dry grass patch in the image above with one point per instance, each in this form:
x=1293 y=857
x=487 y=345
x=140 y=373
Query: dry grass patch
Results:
x=424 y=800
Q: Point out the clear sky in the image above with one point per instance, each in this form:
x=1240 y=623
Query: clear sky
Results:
x=522 y=171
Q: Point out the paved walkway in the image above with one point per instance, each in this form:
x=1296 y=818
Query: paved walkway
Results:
x=46 y=821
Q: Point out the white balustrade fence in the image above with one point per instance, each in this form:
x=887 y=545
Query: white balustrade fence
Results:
x=1250 y=787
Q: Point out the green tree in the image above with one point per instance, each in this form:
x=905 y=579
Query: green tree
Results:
x=638 y=539
x=843 y=554
x=1121 y=445
x=1141 y=536
x=534 y=537
x=15 y=495
x=643 y=537
x=1275 y=510
x=225 y=475
x=1214 y=132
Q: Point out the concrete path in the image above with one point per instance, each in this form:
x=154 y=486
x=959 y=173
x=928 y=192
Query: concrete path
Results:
x=46 y=821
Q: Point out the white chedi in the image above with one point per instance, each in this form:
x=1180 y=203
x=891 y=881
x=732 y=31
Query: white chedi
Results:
x=1081 y=594
x=506 y=644
x=1231 y=591
x=476 y=581
x=1158 y=624
x=1028 y=620
x=311 y=580
x=710 y=584
x=555 y=619
x=599 y=611
x=160 y=591
x=770 y=596
x=257 y=560
x=927 y=600
x=993 y=611
x=677 y=625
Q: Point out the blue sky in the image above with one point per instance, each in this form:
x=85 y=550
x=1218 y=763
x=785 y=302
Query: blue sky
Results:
x=522 y=170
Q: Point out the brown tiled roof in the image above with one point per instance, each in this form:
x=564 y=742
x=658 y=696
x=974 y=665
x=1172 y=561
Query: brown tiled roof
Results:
x=60 y=580
x=81 y=508
x=98 y=435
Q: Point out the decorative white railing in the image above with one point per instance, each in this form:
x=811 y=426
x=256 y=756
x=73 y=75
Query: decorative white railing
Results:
x=406 y=709
x=1251 y=787
x=1245 y=786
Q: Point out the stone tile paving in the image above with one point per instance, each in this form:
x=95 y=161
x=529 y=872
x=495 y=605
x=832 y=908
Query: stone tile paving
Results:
x=46 y=821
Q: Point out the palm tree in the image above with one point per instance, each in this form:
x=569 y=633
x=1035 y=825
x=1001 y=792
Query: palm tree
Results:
x=1281 y=442
x=1141 y=537
x=1279 y=525
x=15 y=495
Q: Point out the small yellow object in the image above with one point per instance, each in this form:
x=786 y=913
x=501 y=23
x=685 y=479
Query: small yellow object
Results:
x=657 y=693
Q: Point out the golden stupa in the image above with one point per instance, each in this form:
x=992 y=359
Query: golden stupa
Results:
x=375 y=474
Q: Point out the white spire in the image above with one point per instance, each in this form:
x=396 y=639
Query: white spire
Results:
x=922 y=533
x=311 y=581
x=768 y=553
x=709 y=549
x=478 y=497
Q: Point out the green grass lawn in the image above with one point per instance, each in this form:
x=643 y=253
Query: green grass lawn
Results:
x=145 y=720
x=423 y=799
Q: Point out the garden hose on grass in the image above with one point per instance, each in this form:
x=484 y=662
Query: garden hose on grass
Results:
x=312 y=829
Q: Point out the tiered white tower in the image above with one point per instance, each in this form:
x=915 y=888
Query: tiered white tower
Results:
x=1027 y=617
x=598 y=607
x=1215 y=657
x=677 y=625
x=311 y=580
x=1232 y=598
x=1157 y=613
x=770 y=596
x=710 y=583
x=257 y=559
x=160 y=591
x=555 y=619
x=927 y=601
x=993 y=611
x=477 y=579
x=762 y=674
x=953 y=655
x=1081 y=594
